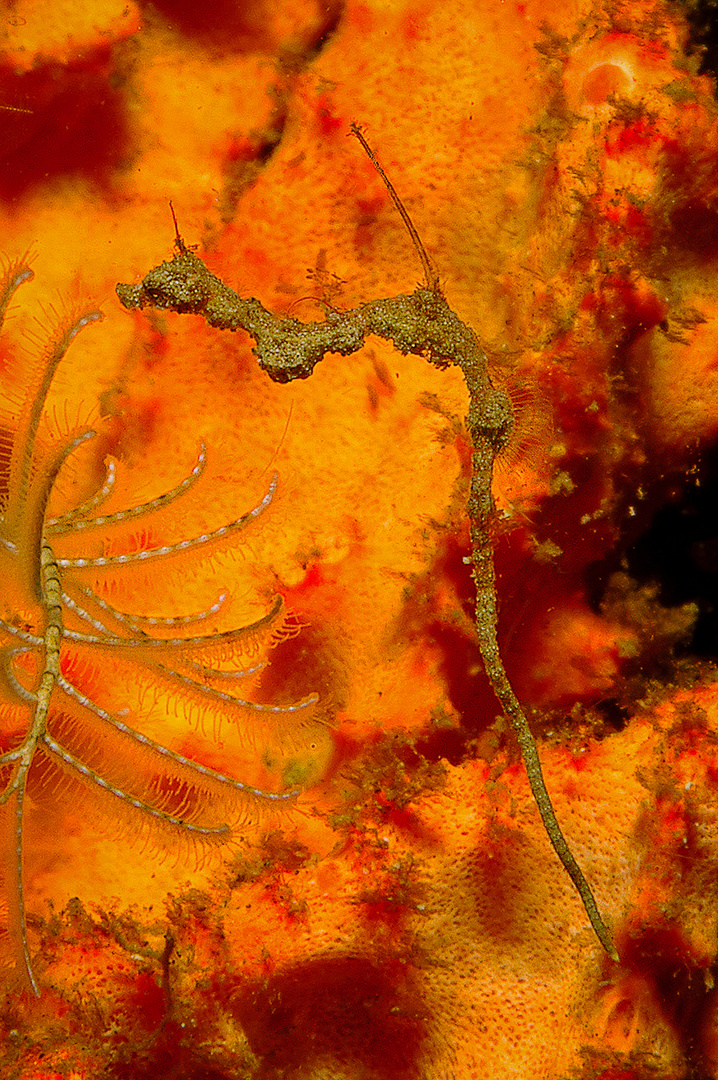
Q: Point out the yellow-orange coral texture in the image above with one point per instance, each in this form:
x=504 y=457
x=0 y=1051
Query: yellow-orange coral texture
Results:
x=405 y=918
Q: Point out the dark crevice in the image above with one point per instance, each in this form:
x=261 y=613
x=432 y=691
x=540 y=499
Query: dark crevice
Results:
x=702 y=18
x=679 y=551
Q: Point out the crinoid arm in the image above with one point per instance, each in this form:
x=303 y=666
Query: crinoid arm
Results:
x=79 y=675
x=424 y=324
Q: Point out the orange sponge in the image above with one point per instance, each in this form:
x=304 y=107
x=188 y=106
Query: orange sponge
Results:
x=406 y=917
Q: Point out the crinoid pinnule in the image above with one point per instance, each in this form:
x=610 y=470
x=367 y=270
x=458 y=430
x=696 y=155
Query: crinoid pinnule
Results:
x=59 y=629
